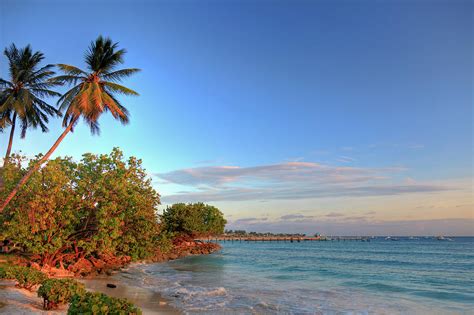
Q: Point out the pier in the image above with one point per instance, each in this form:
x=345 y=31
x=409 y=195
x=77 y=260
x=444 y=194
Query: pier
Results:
x=283 y=239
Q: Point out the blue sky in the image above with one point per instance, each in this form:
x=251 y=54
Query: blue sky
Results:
x=270 y=108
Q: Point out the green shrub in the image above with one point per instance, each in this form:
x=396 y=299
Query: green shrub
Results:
x=59 y=291
x=99 y=303
x=27 y=277
x=6 y=272
x=118 y=217
x=194 y=219
x=164 y=241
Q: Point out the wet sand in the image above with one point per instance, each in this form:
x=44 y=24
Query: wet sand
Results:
x=150 y=302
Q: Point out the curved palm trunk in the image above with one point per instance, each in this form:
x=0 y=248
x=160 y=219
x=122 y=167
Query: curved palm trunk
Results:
x=37 y=165
x=10 y=142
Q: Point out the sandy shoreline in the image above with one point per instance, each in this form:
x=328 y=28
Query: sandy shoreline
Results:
x=17 y=301
x=149 y=301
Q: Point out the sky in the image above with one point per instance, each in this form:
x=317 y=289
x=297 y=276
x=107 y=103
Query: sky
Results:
x=333 y=117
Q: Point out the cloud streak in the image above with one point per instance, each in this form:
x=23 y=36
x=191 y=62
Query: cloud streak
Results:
x=250 y=220
x=289 y=180
x=296 y=217
x=284 y=172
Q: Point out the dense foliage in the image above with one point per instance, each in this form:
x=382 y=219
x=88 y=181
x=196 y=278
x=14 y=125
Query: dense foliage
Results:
x=102 y=205
x=195 y=219
x=26 y=277
x=7 y=272
x=59 y=291
x=99 y=303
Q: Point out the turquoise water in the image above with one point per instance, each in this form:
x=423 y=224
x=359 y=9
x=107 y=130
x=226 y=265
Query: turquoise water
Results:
x=421 y=276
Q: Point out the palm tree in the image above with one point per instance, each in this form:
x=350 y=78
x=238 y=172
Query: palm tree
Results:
x=22 y=96
x=94 y=93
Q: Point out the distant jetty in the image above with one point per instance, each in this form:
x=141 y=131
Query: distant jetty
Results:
x=247 y=238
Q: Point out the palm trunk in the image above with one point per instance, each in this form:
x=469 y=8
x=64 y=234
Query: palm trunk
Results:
x=10 y=142
x=37 y=165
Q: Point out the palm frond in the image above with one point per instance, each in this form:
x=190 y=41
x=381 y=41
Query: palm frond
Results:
x=13 y=55
x=4 y=84
x=23 y=104
x=117 y=76
x=29 y=83
x=39 y=75
x=94 y=126
x=71 y=70
x=102 y=55
x=38 y=78
x=43 y=106
x=23 y=128
x=117 y=88
x=5 y=118
x=121 y=112
x=65 y=100
x=44 y=92
x=68 y=79
x=7 y=102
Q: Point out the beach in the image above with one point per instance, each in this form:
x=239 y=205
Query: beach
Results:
x=126 y=278
x=409 y=276
x=16 y=301
x=148 y=300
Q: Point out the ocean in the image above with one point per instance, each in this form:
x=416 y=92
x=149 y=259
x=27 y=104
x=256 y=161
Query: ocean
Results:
x=408 y=276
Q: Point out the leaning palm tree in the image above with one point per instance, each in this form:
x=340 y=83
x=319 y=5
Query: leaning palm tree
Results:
x=94 y=93
x=22 y=97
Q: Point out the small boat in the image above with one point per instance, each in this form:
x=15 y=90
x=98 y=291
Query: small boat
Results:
x=442 y=238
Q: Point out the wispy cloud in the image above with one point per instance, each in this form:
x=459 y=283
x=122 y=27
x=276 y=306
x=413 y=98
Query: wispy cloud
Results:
x=345 y=159
x=296 y=217
x=334 y=215
x=356 y=218
x=250 y=220
x=283 y=172
x=289 y=180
